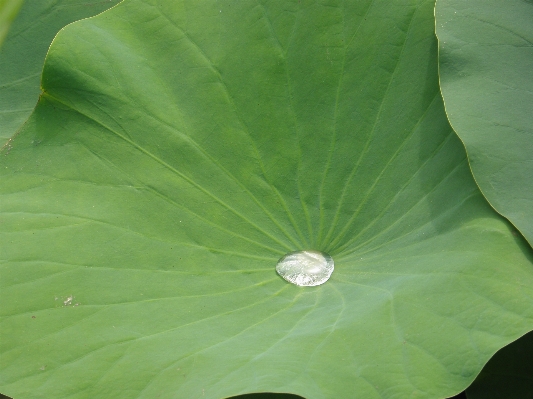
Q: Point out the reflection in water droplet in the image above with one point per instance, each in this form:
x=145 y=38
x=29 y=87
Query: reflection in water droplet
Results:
x=305 y=268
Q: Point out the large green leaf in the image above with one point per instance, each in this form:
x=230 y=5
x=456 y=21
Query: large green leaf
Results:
x=22 y=55
x=509 y=374
x=486 y=64
x=180 y=148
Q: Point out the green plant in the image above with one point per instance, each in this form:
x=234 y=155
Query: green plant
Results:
x=179 y=149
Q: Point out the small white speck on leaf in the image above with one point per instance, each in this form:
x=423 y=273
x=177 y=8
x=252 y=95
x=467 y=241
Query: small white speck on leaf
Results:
x=68 y=301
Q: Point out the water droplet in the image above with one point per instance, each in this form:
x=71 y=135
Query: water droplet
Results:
x=305 y=268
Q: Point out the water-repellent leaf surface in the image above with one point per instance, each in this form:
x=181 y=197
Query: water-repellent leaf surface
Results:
x=486 y=73
x=179 y=149
x=22 y=54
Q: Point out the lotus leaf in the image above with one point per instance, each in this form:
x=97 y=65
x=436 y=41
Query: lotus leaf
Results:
x=486 y=73
x=180 y=148
x=22 y=55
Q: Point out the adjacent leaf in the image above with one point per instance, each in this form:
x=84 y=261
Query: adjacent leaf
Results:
x=8 y=11
x=509 y=374
x=486 y=59
x=22 y=55
x=181 y=148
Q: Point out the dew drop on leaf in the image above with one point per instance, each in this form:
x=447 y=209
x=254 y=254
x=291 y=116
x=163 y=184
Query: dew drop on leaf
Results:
x=305 y=268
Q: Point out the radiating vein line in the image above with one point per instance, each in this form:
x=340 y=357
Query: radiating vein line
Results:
x=155 y=299
x=17 y=81
x=166 y=199
x=241 y=121
x=488 y=299
x=378 y=257
x=14 y=111
x=63 y=226
x=176 y=204
x=398 y=331
x=262 y=321
x=405 y=214
x=430 y=273
x=104 y=373
x=126 y=269
x=372 y=249
x=400 y=191
x=173 y=363
x=104 y=307
x=289 y=93
x=369 y=138
x=101 y=348
x=503 y=28
x=179 y=174
x=208 y=221
x=372 y=287
x=332 y=327
x=335 y=117
x=279 y=340
x=38 y=278
x=342 y=233
x=300 y=154
x=209 y=158
x=43 y=337
x=295 y=127
x=283 y=203
x=371 y=385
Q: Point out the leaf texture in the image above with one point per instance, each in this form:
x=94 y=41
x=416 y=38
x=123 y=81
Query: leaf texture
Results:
x=22 y=55
x=181 y=148
x=486 y=58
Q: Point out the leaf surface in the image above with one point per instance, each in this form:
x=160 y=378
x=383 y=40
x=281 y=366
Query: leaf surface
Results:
x=181 y=148
x=486 y=64
x=22 y=54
